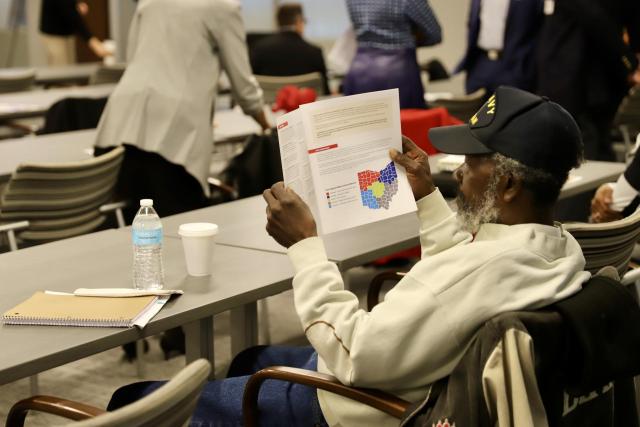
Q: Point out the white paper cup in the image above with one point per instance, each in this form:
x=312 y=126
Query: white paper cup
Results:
x=198 y=242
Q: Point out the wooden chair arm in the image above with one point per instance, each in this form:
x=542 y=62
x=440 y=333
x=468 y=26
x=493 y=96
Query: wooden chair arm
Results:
x=373 y=294
x=52 y=405
x=380 y=400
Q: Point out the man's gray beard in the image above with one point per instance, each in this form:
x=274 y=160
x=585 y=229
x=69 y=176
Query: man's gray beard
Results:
x=471 y=217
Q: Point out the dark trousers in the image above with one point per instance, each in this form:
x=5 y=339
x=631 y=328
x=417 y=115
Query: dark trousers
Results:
x=596 y=134
x=147 y=175
x=280 y=403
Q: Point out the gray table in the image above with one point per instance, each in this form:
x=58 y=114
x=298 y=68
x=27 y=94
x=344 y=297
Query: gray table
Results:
x=53 y=148
x=242 y=224
x=104 y=259
x=36 y=102
x=66 y=74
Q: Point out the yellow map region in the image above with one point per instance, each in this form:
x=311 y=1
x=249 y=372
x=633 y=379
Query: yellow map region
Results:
x=377 y=188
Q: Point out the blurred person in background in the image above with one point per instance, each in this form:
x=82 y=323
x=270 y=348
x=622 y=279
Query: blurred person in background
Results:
x=387 y=34
x=287 y=53
x=60 y=22
x=584 y=64
x=162 y=109
x=501 y=44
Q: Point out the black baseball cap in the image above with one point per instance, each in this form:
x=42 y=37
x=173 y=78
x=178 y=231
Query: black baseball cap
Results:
x=520 y=125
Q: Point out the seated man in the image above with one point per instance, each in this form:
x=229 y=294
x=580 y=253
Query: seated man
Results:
x=501 y=252
x=287 y=53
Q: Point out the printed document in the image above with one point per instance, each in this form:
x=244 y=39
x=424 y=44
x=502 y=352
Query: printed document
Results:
x=335 y=155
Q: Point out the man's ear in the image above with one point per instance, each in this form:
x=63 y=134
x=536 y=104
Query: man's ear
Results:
x=510 y=187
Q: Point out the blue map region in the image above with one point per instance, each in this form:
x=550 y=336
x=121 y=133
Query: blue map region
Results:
x=388 y=174
x=378 y=188
x=369 y=200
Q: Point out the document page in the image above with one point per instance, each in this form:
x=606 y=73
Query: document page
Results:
x=295 y=160
x=348 y=141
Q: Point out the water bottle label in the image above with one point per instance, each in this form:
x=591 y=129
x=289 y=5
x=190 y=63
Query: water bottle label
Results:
x=147 y=237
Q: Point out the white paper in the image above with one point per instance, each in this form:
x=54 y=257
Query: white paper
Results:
x=123 y=292
x=335 y=155
x=150 y=311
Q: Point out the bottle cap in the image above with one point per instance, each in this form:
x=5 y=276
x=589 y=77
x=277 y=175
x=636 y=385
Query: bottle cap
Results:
x=146 y=202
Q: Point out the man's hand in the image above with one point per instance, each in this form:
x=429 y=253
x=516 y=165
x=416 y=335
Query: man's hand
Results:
x=98 y=47
x=289 y=219
x=261 y=118
x=416 y=162
x=601 y=205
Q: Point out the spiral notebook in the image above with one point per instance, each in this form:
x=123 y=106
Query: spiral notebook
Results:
x=70 y=310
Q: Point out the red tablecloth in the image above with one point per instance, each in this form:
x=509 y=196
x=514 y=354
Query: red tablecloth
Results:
x=416 y=124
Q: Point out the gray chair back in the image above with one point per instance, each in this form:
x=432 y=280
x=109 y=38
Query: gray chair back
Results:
x=462 y=107
x=107 y=74
x=272 y=84
x=60 y=200
x=169 y=406
x=17 y=80
x=609 y=243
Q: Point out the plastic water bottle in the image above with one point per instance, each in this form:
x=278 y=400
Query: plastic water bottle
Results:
x=147 y=248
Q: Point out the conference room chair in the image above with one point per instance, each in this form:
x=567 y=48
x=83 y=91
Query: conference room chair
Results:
x=71 y=114
x=169 y=406
x=17 y=80
x=61 y=200
x=607 y=243
x=272 y=84
x=107 y=74
x=540 y=364
x=627 y=123
x=463 y=106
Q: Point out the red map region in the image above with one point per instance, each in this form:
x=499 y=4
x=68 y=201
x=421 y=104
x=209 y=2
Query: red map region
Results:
x=366 y=178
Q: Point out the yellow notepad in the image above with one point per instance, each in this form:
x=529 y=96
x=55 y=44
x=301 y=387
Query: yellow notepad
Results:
x=70 y=310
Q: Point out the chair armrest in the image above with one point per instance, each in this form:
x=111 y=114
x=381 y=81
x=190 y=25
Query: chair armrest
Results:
x=52 y=405
x=225 y=188
x=117 y=208
x=375 y=286
x=380 y=400
x=10 y=229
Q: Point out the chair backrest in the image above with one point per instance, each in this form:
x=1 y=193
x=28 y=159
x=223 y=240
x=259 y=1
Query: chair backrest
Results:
x=17 y=80
x=71 y=114
x=60 y=200
x=107 y=74
x=558 y=366
x=462 y=107
x=609 y=243
x=272 y=84
x=169 y=406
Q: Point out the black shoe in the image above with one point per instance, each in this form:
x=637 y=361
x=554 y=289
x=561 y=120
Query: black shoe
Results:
x=130 y=352
x=172 y=343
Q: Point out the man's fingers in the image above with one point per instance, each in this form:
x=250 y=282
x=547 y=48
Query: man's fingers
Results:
x=408 y=144
x=269 y=198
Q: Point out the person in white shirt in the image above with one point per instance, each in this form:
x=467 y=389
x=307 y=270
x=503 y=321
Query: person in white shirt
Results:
x=501 y=252
x=615 y=200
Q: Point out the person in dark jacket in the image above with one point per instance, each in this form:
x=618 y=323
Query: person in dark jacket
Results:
x=585 y=65
x=60 y=21
x=501 y=44
x=287 y=53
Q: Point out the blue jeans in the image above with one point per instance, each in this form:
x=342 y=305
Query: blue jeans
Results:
x=280 y=403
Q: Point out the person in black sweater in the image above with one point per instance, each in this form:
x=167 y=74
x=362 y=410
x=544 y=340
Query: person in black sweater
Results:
x=60 y=20
x=286 y=53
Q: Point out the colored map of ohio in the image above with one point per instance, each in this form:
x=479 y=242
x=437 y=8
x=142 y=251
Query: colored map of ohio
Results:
x=377 y=188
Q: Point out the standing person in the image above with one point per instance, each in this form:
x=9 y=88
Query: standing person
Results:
x=162 y=109
x=584 y=64
x=60 y=21
x=501 y=44
x=287 y=53
x=386 y=33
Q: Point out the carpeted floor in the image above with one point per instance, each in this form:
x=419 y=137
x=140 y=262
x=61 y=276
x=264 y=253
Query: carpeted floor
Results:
x=92 y=380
